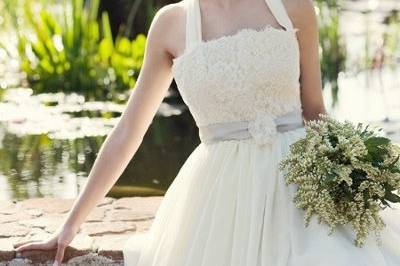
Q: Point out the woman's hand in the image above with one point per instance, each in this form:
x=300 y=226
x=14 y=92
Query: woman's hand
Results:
x=59 y=240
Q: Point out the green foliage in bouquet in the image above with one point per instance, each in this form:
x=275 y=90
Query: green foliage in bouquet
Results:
x=78 y=54
x=345 y=174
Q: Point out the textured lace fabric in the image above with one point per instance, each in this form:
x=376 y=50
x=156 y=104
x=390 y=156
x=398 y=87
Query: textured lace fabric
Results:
x=235 y=77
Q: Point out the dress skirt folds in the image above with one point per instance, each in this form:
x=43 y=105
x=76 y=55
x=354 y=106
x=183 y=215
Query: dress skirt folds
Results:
x=229 y=206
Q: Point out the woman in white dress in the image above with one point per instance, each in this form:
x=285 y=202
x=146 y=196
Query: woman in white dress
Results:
x=249 y=72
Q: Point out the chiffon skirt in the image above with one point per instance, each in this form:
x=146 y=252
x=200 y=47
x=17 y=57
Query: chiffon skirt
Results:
x=229 y=206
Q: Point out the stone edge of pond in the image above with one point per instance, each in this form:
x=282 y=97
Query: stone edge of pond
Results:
x=99 y=241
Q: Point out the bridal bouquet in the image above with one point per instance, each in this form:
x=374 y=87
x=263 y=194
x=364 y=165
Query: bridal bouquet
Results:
x=345 y=174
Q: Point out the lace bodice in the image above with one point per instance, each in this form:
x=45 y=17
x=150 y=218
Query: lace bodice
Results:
x=235 y=77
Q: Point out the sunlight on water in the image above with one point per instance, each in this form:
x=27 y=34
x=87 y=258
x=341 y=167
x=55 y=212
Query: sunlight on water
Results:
x=55 y=114
x=27 y=114
x=368 y=96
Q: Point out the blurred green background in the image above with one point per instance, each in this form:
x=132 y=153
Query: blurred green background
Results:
x=68 y=67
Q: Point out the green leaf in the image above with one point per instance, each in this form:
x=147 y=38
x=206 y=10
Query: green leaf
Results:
x=377 y=148
x=390 y=196
x=328 y=179
x=376 y=141
x=106 y=27
x=385 y=203
x=105 y=50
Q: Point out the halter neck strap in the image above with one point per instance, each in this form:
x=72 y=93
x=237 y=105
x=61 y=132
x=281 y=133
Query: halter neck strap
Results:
x=193 y=19
x=193 y=23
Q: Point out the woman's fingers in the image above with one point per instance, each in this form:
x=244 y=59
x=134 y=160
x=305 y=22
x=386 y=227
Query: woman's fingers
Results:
x=17 y=245
x=34 y=245
x=60 y=253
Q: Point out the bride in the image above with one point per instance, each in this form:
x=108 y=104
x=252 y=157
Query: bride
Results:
x=249 y=72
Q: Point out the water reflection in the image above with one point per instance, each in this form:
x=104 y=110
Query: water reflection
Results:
x=49 y=149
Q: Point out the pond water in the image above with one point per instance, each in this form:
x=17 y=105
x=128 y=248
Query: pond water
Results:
x=48 y=142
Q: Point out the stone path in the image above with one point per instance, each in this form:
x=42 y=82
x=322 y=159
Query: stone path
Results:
x=99 y=241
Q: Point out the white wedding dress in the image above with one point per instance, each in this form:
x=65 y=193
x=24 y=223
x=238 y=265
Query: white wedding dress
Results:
x=229 y=205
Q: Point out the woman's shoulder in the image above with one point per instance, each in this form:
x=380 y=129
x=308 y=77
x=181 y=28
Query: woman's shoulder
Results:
x=301 y=12
x=167 y=27
x=171 y=13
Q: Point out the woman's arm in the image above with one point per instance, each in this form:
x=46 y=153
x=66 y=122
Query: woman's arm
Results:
x=125 y=138
x=303 y=15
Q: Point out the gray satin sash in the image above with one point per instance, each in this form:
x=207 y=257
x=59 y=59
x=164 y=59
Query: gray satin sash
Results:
x=239 y=130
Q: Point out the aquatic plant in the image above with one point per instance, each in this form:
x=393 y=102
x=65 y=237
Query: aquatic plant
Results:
x=78 y=54
x=332 y=46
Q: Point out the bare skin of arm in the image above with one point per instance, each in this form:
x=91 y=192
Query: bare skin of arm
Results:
x=166 y=39
x=125 y=138
x=304 y=18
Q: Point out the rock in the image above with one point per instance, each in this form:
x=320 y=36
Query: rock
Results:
x=7 y=207
x=35 y=234
x=98 y=214
x=34 y=212
x=106 y=201
x=99 y=241
x=111 y=245
x=139 y=204
x=102 y=228
x=128 y=215
x=143 y=226
x=17 y=262
x=12 y=229
x=14 y=240
x=93 y=259
x=48 y=205
x=6 y=250
x=50 y=222
x=16 y=216
x=81 y=245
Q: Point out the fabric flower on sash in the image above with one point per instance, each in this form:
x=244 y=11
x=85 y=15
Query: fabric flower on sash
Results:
x=263 y=128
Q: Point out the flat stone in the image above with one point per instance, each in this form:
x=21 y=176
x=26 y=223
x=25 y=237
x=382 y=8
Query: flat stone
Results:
x=98 y=214
x=143 y=226
x=7 y=207
x=14 y=240
x=106 y=201
x=6 y=250
x=12 y=217
x=82 y=244
x=99 y=241
x=12 y=229
x=34 y=212
x=48 y=205
x=36 y=234
x=128 y=215
x=50 y=222
x=139 y=204
x=102 y=228
x=111 y=246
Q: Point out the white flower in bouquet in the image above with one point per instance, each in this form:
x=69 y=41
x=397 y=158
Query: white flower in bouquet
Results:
x=345 y=174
